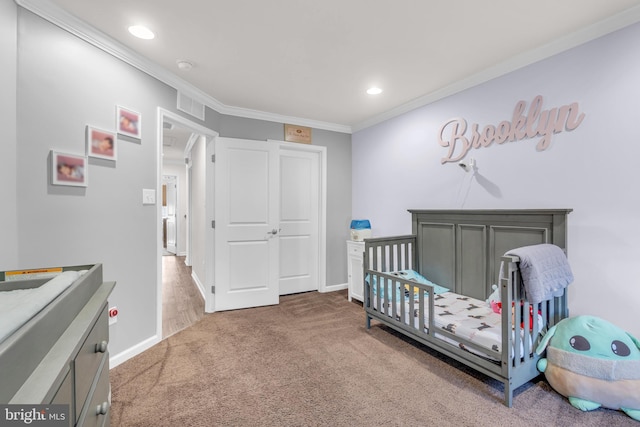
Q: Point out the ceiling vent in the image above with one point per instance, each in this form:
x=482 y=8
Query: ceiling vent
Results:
x=190 y=106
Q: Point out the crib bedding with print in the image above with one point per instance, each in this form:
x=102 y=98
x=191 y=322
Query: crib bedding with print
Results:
x=456 y=256
x=461 y=316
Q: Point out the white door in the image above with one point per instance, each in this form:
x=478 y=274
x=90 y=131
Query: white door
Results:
x=170 y=183
x=246 y=223
x=299 y=220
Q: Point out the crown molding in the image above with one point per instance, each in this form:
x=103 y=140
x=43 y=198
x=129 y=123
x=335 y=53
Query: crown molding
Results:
x=68 y=22
x=59 y=17
x=261 y=115
x=592 y=32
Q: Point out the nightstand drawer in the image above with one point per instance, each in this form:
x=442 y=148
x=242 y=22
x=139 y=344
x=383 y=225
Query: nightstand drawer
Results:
x=355 y=248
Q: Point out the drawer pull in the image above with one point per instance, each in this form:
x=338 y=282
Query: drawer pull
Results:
x=102 y=409
x=101 y=347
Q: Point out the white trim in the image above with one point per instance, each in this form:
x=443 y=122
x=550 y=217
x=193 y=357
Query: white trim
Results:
x=279 y=118
x=59 y=17
x=210 y=233
x=199 y=285
x=599 y=29
x=193 y=138
x=125 y=355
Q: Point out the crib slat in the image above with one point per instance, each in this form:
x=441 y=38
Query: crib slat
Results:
x=379 y=285
x=403 y=308
x=412 y=302
x=421 y=314
x=394 y=300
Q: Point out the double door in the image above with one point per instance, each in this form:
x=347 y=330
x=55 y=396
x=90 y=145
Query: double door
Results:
x=267 y=222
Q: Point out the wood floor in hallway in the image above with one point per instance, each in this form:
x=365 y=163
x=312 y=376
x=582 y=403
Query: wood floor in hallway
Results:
x=182 y=303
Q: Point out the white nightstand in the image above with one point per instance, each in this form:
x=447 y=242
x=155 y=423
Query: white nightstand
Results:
x=355 y=254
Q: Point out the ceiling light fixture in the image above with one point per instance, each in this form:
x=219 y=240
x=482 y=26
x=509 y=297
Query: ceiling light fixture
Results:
x=374 y=91
x=184 y=65
x=141 y=32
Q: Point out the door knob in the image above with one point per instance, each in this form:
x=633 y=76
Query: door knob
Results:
x=274 y=231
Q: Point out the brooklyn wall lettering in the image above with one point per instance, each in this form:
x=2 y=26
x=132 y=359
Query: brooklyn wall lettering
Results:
x=536 y=122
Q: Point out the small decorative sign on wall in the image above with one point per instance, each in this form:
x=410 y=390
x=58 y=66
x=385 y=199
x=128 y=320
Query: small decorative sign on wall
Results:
x=300 y=134
x=536 y=122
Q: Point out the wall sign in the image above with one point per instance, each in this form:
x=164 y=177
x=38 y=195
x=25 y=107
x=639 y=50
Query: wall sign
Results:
x=300 y=134
x=536 y=122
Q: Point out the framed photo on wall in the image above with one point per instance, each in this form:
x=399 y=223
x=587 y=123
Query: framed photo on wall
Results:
x=129 y=122
x=68 y=169
x=101 y=144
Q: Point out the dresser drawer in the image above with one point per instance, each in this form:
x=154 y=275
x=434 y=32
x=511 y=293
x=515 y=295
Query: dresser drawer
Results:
x=96 y=413
x=90 y=357
x=64 y=396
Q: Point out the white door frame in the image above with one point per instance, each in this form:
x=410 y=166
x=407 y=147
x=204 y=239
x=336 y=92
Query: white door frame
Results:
x=210 y=135
x=322 y=218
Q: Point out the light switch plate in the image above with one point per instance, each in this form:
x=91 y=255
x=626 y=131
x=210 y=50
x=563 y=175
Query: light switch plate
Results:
x=148 y=196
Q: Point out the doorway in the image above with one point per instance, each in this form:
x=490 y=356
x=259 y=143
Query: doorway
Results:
x=180 y=292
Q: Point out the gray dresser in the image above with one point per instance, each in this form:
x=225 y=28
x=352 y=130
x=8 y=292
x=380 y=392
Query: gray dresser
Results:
x=61 y=355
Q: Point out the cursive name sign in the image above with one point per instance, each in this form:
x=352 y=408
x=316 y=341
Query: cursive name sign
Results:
x=536 y=122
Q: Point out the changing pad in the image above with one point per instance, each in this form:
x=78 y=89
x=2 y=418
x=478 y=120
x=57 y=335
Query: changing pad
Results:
x=20 y=305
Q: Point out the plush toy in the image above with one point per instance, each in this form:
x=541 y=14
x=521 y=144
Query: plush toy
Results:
x=496 y=306
x=494 y=299
x=593 y=363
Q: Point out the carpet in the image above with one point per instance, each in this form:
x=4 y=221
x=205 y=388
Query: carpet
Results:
x=309 y=361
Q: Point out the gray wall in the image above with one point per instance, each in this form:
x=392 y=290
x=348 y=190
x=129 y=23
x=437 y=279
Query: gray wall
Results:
x=65 y=84
x=8 y=212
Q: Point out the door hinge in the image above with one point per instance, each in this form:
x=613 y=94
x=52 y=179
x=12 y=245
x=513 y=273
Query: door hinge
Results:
x=213 y=158
x=213 y=289
x=213 y=224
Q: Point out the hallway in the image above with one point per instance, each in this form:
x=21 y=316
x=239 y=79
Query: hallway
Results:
x=182 y=303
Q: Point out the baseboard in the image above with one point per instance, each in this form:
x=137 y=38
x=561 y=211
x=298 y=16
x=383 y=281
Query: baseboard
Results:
x=133 y=351
x=198 y=283
x=333 y=288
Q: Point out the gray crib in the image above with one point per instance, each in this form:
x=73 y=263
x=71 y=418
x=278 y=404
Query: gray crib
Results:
x=463 y=250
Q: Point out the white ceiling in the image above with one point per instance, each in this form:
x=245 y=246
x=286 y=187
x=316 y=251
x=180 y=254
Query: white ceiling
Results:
x=174 y=142
x=314 y=59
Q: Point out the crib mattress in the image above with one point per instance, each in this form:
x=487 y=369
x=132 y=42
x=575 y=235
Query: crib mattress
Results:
x=463 y=316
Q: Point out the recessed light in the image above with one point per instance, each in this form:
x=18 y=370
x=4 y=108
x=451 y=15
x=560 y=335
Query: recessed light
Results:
x=374 y=91
x=141 y=32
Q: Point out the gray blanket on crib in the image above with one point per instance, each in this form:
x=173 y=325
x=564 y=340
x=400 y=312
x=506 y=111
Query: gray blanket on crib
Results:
x=545 y=271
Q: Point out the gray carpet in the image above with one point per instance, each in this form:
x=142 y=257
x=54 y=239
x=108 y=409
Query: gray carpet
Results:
x=309 y=361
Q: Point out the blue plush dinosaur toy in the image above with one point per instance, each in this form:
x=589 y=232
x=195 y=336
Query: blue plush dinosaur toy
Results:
x=593 y=363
